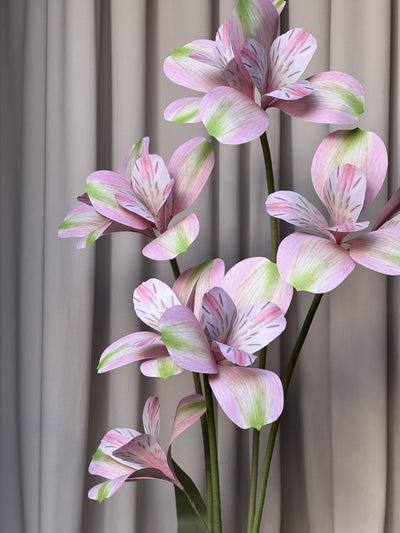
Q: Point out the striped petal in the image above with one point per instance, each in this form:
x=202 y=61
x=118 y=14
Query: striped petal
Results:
x=106 y=489
x=297 y=90
x=223 y=49
x=391 y=208
x=363 y=149
x=313 y=264
x=189 y=410
x=255 y=60
x=151 y=417
x=186 y=341
x=378 y=250
x=164 y=367
x=174 y=241
x=222 y=351
x=231 y=117
x=183 y=110
x=137 y=150
x=84 y=222
x=250 y=397
x=219 y=313
x=103 y=464
x=151 y=299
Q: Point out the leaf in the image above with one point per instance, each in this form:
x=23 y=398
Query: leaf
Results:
x=187 y=518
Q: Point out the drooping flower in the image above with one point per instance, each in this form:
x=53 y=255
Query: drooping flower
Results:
x=125 y=454
x=348 y=171
x=248 y=69
x=144 y=196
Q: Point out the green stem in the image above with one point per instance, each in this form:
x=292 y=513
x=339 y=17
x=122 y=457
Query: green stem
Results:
x=275 y=426
x=253 y=479
x=214 y=456
x=271 y=188
x=175 y=267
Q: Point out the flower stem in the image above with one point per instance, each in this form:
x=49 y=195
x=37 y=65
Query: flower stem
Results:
x=271 y=188
x=275 y=426
x=253 y=479
x=175 y=267
x=214 y=456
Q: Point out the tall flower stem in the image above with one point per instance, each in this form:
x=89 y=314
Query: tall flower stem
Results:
x=271 y=188
x=275 y=426
x=214 y=456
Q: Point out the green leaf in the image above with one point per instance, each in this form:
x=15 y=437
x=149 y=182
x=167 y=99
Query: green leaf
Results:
x=186 y=500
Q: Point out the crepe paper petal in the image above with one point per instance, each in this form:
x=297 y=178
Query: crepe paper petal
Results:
x=186 y=341
x=313 y=264
x=183 y=110
x=250 y=397
x=189 y=72
x=134 y=347
x=378 y=250
x=288 y=57
x=255 y=60
x=391 y=208
x=231 y=117
x=219 y=313
x=297 y=90
x=101 y=188
x=347 y=228
x=106 y=489
x=151 y=299
x=189 y=410
x=223 y=52
x=222 y=351
x=363 y=149
x=256 y=326
x=237 y=80
x=174 y=241
x=254 y=280
x=137 y=150
x=190 y=167
x=151 y=417
x=164 y=367
x=297 y=210
x=103 y=464
x=392 y=222
x=85 y=222
x=337 y=98
x=344 y=194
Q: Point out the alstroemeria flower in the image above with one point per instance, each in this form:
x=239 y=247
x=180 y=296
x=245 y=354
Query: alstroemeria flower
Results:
x=143 y=197
x=248 y=69
x=126 y=455
x=348 y=170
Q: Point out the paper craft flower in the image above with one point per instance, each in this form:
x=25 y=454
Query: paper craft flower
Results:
x=247 y=55
x=144 y=196
x=127 y=455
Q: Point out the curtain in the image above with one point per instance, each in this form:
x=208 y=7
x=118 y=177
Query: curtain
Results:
x=80 y=83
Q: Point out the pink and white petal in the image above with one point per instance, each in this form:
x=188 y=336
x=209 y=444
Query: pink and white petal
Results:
x=255 y=280
x=183 y=110
x=347 y=228
x=255 y=60
x=231 y=117
x=101 y=188
x=337 y=98
x=85 y=222
x=237 y=80
x=151 y=417
x=190 y=167
x=137 y=150
x=288 y=57
x=223 y=52
x=297 y=90
x=222 y=351
x=174 y=241
x=391 y=223
x=344 y=194
x=391 y=208
x=106 y=489
x=313 y=264
x=151 y=299
x=363 y=149
x=185 y=339
x=131 y=348
x=129 y=201
x=297 y=210
x=378 y=250
x=250 y=397
x=256 y=326
x=189 y=410
x=164 y=367
x=182 y=68
x=114 y=439
x=103 y=464
x=219 y=312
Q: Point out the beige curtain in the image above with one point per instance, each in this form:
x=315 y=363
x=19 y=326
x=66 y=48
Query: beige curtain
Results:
x=80 y=82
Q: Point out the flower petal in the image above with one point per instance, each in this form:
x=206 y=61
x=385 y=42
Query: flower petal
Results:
x=137 y=150
x=151 y=299
x=219 y=313
x=378 y=250
x=222 y=351
x=391 y=208
x=231 y=117
x=164 y=367
x=250 y=397
x=223 y=52
x=103 y=464
x=255 y=60
x=183 y=110
x=106 y=489
x=313 y=264
x=151 y=417
x=189 y=410
x=297 y=90
x=85 y=222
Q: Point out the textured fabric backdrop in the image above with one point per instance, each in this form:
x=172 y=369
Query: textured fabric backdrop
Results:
x=81 y=81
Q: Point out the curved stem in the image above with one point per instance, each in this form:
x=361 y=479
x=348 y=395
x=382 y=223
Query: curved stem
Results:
x=271 y=188
x=275 y=426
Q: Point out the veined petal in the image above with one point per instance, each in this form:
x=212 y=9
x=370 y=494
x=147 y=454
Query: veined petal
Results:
x=85 y=222
x=186 y=341
x=363 y=149
x=254 y=280
x=106 y=489
x=190 y=167
x=137 y=150
x=337 y=98
x=313 y=264
x=113 y=440
x=189 y=410
x=222 y=351
x=347 y=228
x=391 y=208
x=255 y=60
x=378 y=250
x=393 y=222
x=151 y=299
x=151 y=417
x=297 y=90
x=219 y=313
x=231 y=117
x=134 y=347
x=223 y=52
x=103 y=464
x=164 y=367
x=183 y=110
x=237 y=80
x=174 y=241
x=250 y=397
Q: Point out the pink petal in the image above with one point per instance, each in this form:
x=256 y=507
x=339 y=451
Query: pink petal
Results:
x=106 y=489
x=222 y=351
x=378 y=250
x=363 y=149
x=313 y=264
x=186 y=341
x=254 y=59
x=174 y=241
x=151 y=299
x=391 y=208
x=137 y=150
x=183 y=110
x=250 y=397
x=151 y=417
x=164 y=367
x=231 y=117
x=190 y=167
x=189 y=410
x=85 y=222
x=103 y=464
x=223 y=49
x=235 y=78
x=219 y=313
x=297 y=90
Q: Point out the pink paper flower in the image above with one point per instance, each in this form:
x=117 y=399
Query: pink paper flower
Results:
x=126 y=455
x=348 y=170
x=144 y=196
x=248 y=69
